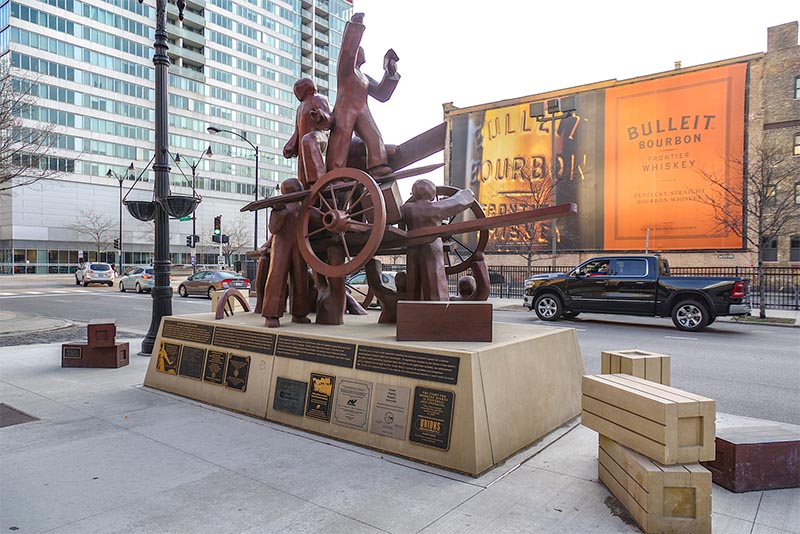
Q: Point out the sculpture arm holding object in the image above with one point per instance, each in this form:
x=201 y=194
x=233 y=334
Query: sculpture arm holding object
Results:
x=383 y=91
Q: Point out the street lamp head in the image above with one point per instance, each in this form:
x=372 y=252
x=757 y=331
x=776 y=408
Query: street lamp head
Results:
x=213 y=130
x=177 y=159
x=110 y=173
x=209 y=153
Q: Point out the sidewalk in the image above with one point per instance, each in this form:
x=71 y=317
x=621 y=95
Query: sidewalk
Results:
x=108 y=455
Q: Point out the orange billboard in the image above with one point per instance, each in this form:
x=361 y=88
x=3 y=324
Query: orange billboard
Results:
x=659 y=135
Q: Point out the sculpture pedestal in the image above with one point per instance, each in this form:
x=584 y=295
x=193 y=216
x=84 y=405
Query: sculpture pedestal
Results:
x=462 y=406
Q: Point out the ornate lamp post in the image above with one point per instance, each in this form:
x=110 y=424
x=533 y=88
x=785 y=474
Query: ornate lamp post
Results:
x=120 y=178
x=214 y=130
x=162 y=292
x=209 y=153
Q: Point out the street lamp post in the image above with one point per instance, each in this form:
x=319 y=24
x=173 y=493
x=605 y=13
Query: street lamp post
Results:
x=209 y=153
x=558 y=109
x=214 y=130
x=162 y=291
x=120 y=179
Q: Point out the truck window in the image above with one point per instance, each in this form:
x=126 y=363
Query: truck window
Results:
x=594 y=268
x=631 y=267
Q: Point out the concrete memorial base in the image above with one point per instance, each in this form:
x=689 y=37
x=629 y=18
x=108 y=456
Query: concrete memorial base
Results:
x=463 y=406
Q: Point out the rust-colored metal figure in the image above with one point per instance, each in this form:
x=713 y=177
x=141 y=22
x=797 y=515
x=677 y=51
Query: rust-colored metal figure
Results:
x=351 y=112
x=427 y=279
x=310 y=138
x=476 y=287
x=286 y=263
x=387 y=296
x=331 y=294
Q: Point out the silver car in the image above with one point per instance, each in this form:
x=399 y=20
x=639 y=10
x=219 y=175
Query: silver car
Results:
x=138 y=278
x=94 y=272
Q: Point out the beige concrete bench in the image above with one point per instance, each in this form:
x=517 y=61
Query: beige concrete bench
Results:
x=665 y=424
x=635 y=362
x=660 y=498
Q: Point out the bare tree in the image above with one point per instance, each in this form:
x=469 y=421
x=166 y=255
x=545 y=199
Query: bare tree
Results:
x=26 y=151
x=97 y=228
x=239 y=238
x=533 y=239
x=761 y=206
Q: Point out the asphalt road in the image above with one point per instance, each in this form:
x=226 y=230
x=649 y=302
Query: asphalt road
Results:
x=751 y=370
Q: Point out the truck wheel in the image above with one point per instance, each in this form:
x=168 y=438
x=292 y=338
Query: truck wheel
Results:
x=690 y=316
x=570 y=314
x=548 y=307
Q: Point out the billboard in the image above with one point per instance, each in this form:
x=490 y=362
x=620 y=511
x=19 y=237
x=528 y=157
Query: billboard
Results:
x=629 y=157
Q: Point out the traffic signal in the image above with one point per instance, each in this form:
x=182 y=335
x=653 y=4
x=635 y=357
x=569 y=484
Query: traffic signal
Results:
x=189 y=241
x=116 y=244
x=218 y=225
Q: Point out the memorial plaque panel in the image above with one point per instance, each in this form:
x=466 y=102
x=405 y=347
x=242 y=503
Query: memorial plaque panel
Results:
x=192 y=332
x=237 y=372
x=319 y=396
x=411 y=364
x=352 y=404
x=316 y=350
x=246 y=340
x=168 y=356
x=390 y=411
x=215 y=366
x=431 y=417
x=192 y=359
x=73 y=353
x=290 y=396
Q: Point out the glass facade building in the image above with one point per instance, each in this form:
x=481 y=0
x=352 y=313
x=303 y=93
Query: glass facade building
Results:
x=88 y=65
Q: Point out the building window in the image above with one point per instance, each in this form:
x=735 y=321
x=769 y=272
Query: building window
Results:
x=797 y=87
x=769 y=249
x=797 y=144
x=797 y=193
x=794 y=248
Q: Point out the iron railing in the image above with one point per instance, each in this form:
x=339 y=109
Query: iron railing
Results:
x=781 y=284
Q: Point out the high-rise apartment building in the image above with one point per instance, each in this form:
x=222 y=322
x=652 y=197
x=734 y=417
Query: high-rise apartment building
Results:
x=89 y=65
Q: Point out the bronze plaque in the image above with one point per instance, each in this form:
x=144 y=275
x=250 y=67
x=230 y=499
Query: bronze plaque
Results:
x=319 y=396
x=192 y=332
x=290 y=396
x=168 y=356
x=352 y=403
x=411 y=364
x=192 y=359
x=246 y=340
x=215 y=366
x=316 y=350
x=390 y=411
x=432 y=417
x=72 y=353
x=237 y=372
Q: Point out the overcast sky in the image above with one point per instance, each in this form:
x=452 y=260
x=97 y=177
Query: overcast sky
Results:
x=472 y=52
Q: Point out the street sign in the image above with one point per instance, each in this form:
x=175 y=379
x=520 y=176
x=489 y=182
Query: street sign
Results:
x=221 y=260
x=187 y=218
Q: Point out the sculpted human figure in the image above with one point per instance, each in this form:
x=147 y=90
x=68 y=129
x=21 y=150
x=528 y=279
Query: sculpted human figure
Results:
x=477 y=286
x=387 y=296
x=310 y=138
x=351 y=112
x=286 y=263
x=426 y=277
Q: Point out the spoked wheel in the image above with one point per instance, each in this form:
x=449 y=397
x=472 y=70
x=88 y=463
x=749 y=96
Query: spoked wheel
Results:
x=460 y=249
x=345 y=208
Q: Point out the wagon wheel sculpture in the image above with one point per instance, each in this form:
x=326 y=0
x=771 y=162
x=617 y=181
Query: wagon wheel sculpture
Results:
x=460 y=252
x=345 y=208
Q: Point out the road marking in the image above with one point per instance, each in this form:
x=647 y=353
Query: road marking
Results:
x=59 y=300
x=580 y=329
x=143 y=309
x=34 y=293
x=681 y=337
x=6 y=294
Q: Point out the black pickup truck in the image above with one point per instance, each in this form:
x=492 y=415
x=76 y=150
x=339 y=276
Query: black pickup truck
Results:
x=635 y=285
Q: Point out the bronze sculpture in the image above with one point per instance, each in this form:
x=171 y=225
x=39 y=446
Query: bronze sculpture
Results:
x=351 y=112
x=310 y=138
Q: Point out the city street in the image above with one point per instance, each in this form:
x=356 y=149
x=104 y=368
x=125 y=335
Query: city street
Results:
x=751 y=370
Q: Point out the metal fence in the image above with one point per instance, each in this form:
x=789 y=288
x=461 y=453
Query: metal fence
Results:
x=781 y=284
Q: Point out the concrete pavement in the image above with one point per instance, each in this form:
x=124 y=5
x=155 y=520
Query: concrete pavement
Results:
x=108 y=455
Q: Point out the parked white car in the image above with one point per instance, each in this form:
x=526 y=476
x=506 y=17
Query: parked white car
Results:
x=95 y=272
